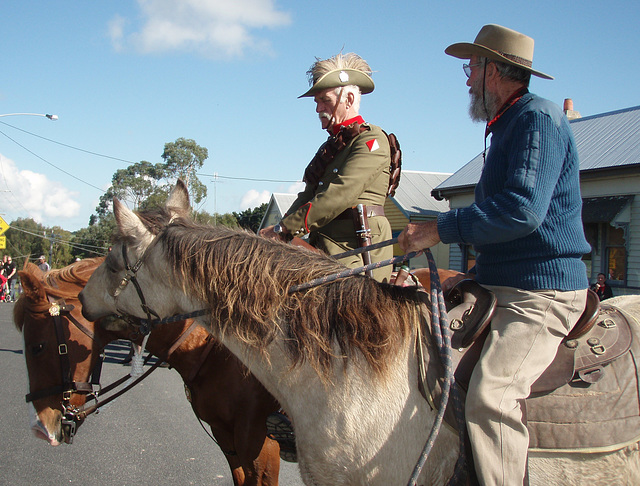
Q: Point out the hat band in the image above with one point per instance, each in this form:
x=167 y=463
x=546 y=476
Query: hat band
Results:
x=517 y=59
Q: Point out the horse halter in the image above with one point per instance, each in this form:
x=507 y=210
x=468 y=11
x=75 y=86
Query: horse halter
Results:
x=68 y=386
x=130 y=276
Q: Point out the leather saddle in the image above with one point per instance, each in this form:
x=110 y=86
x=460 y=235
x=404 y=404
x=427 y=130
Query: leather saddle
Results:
x=601 y=335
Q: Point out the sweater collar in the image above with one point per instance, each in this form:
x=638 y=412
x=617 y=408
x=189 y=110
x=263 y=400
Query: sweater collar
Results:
x=512 y=100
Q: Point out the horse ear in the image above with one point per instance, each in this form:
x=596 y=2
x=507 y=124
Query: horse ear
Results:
x=178 y=202
x=128 y=223
x=32 y=287
x=113 y=323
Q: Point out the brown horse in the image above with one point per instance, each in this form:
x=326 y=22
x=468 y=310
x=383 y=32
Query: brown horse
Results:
x=222 y=392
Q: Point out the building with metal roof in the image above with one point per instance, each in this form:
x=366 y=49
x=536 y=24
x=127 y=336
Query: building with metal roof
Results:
x=413 y=202
x=278 y=205
x=609 y=150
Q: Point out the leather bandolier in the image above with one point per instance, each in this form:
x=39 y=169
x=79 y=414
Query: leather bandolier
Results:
x=361 y=213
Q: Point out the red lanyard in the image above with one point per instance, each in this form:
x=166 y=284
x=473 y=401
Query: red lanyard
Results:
x=515 y=97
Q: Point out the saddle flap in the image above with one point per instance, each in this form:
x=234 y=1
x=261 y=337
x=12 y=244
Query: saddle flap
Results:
x=606 y=341
x=583 y=358
x=470 y=308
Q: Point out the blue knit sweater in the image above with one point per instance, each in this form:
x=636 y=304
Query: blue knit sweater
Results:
x=526 y=222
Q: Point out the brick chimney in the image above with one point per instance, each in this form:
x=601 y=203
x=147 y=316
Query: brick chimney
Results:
x=568 y=110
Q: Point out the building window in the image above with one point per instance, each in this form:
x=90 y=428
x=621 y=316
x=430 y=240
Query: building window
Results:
x=616 y=255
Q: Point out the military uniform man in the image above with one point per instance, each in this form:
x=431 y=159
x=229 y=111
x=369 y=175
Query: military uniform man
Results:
x=352 y=167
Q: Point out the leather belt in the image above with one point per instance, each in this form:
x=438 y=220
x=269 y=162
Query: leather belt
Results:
x=371 y=211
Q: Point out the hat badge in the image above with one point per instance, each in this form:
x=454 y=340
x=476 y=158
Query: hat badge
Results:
x=344 y=77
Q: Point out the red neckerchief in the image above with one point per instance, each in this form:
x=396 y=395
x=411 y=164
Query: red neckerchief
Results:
x=336 y=128
x=508 y=104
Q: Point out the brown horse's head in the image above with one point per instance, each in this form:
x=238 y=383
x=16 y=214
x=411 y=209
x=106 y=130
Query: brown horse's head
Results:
x=46 y=342
x=50 y=373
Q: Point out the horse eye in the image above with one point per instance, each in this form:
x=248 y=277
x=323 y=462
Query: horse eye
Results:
x=37 y=349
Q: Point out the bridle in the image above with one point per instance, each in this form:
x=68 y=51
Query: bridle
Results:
x=68 y=385
x=144 y=326
x=73 y=416
x=130 y=276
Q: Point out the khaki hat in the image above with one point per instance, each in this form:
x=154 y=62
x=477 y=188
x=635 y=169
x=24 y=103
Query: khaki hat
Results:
x=339 y=78
x=499 y=44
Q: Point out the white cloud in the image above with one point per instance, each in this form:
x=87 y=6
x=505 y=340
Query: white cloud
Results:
x=116 y=31
x=253 y=198
x=296 y=188
x=216 y=28
x=32 y=195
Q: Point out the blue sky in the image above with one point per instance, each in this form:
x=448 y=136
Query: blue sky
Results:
x=127 y=76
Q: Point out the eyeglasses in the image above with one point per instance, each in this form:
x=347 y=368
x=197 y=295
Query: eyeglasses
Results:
x=467 y=68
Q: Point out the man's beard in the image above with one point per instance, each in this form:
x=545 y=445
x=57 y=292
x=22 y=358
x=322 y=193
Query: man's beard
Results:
x=482 y=109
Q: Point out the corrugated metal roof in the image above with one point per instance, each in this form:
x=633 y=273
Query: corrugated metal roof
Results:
x=607 y=140
x=413 y=196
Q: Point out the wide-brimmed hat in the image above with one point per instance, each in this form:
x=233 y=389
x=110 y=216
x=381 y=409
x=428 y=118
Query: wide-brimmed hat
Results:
x=499 y=44
x=339 y=78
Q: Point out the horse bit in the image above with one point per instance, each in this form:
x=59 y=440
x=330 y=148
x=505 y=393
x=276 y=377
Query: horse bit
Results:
x=70 y=417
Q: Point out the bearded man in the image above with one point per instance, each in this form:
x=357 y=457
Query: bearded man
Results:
x=526 y=228
x=351 y=168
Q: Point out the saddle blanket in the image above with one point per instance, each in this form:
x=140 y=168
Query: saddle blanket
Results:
x=590 y=417
x=602 y=416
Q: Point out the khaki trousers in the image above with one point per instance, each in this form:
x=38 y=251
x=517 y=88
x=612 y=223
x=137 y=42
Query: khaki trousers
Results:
x=525 y=334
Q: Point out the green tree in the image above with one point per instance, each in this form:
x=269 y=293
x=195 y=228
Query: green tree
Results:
x=26 y=240
x=226 y=219
x=139 y=185
x=183 y=158
x=143 y=185
x=59 y=252
x=95 y=239
x=251 y=218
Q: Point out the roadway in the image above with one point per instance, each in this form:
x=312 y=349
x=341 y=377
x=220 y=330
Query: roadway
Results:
x=147 y=436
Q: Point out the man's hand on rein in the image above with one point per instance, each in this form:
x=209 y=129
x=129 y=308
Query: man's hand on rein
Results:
x=419 y=236
x=270 y=232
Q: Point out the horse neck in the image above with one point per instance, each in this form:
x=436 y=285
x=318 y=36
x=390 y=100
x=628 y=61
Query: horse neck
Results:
x=187 y=355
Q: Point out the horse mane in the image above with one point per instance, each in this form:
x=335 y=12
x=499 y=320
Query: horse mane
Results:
x=245 y=280
x=59 y=284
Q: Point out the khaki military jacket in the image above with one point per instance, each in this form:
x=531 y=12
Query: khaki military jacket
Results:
x=359 y=174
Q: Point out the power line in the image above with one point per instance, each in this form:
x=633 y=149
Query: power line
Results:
x=57 y=239
x=243 y=178
x=52 y=165
x=68 y=146
x=120 y=159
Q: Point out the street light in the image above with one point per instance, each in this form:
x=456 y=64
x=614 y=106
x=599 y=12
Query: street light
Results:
x=50 y=117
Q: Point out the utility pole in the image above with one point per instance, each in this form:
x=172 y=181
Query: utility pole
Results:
x=51 y=248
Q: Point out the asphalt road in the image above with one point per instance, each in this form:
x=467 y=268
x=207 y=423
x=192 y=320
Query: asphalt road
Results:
x=148 y=436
